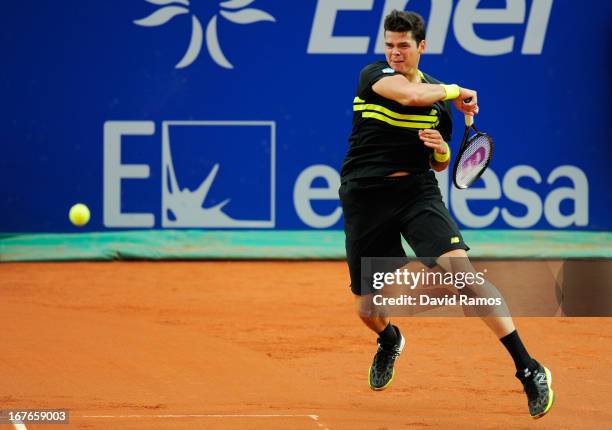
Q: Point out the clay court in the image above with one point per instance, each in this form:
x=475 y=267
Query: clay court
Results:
x=267 y=345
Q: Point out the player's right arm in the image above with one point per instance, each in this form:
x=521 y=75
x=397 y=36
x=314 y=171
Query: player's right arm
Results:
x=401 y=90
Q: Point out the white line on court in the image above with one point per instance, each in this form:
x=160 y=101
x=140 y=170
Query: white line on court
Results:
x=20 y=426
x=314 y=418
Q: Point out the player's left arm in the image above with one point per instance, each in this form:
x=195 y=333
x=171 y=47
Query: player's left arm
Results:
x=440 y=157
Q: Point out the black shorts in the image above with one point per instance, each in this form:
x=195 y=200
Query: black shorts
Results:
x=378 y=211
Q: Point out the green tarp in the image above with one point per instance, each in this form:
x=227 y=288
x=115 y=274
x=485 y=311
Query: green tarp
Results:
x=285 y=245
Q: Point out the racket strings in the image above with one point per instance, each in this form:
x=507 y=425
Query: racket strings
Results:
x=474 y=159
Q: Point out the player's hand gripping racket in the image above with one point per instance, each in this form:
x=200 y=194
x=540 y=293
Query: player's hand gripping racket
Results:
x=473 y=157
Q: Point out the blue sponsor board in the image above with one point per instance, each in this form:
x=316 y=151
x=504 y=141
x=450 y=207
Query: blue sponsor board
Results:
x=235 y=114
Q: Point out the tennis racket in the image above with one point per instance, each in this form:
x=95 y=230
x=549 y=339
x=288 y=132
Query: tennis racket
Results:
x=473 y=157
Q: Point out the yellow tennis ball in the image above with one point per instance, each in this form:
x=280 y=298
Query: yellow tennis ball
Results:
x=79 y=214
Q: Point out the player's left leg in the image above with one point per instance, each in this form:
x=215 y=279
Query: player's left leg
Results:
x=536 y=379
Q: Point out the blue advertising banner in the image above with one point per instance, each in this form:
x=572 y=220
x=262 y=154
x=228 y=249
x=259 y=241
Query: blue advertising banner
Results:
x=235 y=114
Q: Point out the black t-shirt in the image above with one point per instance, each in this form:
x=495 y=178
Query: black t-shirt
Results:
x=385 y=136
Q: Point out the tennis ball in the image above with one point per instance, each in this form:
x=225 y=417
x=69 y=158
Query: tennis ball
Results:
x=79 y=214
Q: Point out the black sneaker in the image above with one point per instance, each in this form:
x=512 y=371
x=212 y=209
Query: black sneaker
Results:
x=381 y=371
x=537 y=384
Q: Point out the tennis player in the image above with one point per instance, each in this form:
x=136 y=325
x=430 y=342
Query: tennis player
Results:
x=401 y=126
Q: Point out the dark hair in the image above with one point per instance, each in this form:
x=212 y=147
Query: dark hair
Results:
x=402 y=22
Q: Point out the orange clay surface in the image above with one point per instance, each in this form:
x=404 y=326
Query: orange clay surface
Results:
x=268 y=345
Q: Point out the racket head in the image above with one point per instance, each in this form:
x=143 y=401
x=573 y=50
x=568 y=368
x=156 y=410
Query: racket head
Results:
x=473 y=159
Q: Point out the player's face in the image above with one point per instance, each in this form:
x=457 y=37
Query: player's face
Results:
x=402 y=51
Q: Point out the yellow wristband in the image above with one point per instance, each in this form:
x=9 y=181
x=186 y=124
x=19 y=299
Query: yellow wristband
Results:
x=452 y=91
x=442 y=158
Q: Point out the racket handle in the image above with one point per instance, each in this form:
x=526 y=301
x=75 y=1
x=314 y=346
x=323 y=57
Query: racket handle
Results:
x=469 y=119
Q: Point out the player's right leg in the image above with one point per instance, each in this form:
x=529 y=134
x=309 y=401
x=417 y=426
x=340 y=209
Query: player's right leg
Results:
x=371 y=232
x=382 y=369
x=390 y=345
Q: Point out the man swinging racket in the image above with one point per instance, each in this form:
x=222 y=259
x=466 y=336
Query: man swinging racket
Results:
x=401 y=126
